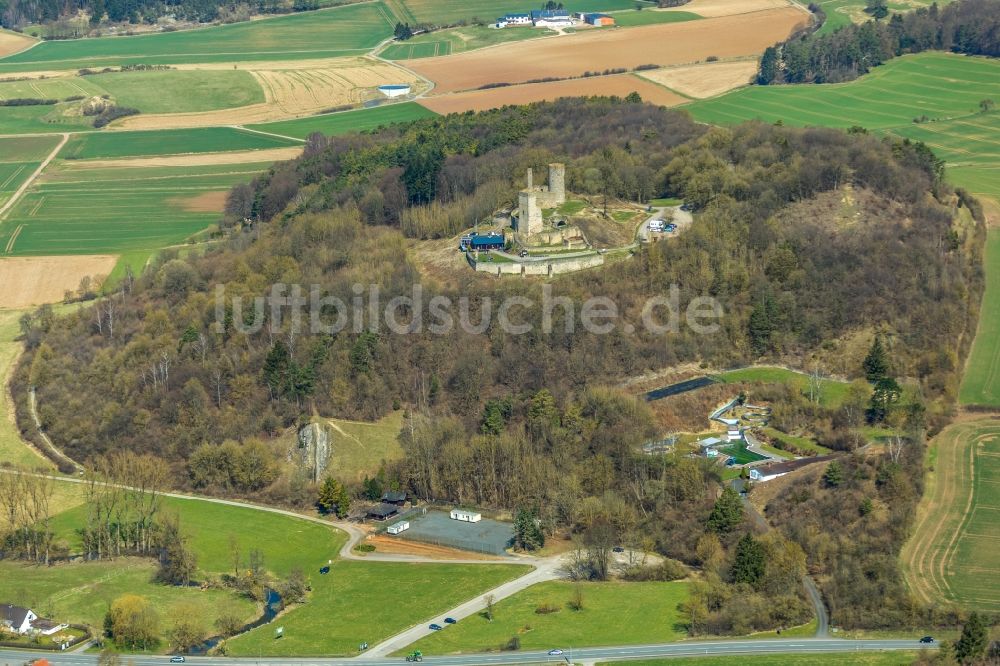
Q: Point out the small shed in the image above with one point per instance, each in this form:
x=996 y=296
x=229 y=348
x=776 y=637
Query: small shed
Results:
x=383 y=511
x=466 y=516
x=396 y=528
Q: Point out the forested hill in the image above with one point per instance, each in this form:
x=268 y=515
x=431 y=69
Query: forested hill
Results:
x=805 y=237
x=971 y=27
x=794 y=264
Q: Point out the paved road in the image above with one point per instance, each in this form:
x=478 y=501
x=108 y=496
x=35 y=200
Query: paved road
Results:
x=546 y=570
x=589 y=655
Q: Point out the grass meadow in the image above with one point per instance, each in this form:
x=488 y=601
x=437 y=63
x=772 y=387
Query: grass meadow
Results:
x=63 y=117
x=832 y=392
x=368 y=602
x=116 y=209
x=360 y=448
x=82 y=592
x=348 y=30
x=13 y=450
x=613 y=613
x=349 y=121
x=843 y=12
x=285 y=542
x=164 y=91
x=149 y=143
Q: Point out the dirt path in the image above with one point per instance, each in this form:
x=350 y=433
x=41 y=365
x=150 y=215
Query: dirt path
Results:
x=26 y=184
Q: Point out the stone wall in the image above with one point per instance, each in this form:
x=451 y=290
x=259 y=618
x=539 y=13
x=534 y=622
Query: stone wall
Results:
x=546 y=267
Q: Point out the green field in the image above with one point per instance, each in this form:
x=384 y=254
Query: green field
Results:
x=19 y=157
x=651 y=17
x=349 y=121
x=82 y=592
x=943 y=87
x=108 y=210
x=285 y=542
x=951 y=557
x=457 y=40
x=981 y=381
x=348 y=30
x=144 y=143
x=444 y=12
x=166 y=91
x=43 y=119
x=370 y=601
x=182 y=91
x=613 y=614
x=832 y=392
x=814 y=659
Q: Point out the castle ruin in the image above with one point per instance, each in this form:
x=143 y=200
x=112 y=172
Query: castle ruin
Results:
x=531 y=200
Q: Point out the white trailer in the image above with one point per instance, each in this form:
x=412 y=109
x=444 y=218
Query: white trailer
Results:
x=401 y=526
x=466 y=516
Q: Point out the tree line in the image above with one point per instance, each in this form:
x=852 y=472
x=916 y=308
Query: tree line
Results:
x=971 y=27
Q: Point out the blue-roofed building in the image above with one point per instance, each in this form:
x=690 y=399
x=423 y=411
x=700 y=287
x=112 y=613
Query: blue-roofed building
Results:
x=491 y=241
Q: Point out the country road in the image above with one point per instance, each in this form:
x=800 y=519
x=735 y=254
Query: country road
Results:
x=586 y=655
x=27 y=183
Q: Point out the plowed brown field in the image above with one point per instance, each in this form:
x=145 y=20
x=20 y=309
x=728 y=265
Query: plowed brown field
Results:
x=661 y=44
x=621 y=85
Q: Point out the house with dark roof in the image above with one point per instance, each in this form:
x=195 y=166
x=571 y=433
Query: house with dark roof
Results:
x=383 y=511
x=16 y=618
x=396 y=497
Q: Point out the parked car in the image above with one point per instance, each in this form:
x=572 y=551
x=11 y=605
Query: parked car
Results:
x=687 y=208
x=555 y=652
x=671 y=227
x=927 y=639
x=618 y=549
x=450 y=620
x=436 y=627
x=522 y=253
x=177 y=659
x=324 y=570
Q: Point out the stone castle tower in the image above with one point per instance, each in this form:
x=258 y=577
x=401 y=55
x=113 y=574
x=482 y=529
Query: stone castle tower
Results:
x=531 y=200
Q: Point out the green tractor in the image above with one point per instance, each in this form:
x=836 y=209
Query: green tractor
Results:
x=416 y=655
